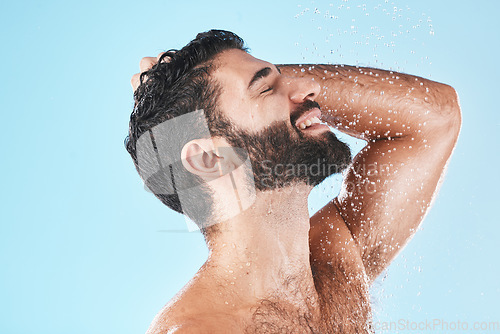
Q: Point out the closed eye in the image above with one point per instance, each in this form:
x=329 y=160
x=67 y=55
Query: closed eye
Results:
x=267 y=90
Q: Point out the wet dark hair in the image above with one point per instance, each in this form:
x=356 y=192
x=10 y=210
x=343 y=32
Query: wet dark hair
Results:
x=175 y=88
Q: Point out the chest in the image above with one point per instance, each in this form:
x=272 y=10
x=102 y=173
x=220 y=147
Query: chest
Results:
x=341 y=305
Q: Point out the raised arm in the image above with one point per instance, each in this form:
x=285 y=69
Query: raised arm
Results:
x=411 y=125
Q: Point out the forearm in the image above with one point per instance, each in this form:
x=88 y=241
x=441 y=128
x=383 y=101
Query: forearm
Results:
x=375 y=104
x=411 y=125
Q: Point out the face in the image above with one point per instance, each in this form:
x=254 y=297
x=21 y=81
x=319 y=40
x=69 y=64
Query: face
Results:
x=275 y=119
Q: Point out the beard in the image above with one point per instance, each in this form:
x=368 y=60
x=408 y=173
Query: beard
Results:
x=283 y=156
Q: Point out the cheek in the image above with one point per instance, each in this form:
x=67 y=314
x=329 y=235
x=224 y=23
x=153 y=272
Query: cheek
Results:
x=255 y=115
x=235 y=108
x=245 y=115
x=277 y=108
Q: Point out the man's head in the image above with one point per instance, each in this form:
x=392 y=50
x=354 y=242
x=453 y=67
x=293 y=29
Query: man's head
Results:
x=276 y=119
x=247 y=104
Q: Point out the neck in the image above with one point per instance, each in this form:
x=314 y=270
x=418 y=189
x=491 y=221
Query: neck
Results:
x=264 y=252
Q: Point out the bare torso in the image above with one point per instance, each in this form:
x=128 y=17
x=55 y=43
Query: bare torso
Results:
x=341 y=304
x=411 y=126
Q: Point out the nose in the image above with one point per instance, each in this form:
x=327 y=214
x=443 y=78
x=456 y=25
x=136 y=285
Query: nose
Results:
x=302 y=89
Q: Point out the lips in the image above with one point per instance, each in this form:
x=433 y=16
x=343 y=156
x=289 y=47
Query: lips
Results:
x=309 y=119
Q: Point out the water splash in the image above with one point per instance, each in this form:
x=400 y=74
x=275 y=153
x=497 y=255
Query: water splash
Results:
x=363 y=33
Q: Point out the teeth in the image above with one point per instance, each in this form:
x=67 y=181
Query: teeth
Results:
x=309 y=122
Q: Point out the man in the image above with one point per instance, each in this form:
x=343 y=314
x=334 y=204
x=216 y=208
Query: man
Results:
x=272 y=268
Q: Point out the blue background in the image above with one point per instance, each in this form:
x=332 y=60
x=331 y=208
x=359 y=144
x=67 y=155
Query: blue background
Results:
x=84 y=249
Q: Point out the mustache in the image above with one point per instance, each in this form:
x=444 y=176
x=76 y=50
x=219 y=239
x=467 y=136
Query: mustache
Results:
x=302 y=109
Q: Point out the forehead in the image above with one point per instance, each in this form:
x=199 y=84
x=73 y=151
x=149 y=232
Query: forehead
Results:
x=236 y=68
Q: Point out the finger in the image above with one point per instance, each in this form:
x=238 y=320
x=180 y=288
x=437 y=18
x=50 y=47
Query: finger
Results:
x=166 y=59
x=135 y=81
x=146 y=63
x=159 y=56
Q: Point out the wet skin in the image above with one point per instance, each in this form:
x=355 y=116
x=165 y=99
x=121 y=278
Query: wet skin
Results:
x=411 y=126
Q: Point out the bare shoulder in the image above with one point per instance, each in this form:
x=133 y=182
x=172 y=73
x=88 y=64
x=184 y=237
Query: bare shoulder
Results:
x=188 y=328
x=195 y=310
x=331 y=240
x=203 y=324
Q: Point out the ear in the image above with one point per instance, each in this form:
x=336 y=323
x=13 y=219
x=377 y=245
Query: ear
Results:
x=203 y=157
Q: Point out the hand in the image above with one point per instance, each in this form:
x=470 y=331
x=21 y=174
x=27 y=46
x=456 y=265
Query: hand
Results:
x=145 y=65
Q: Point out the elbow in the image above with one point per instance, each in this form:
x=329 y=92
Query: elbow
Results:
x=454 y=113
x=446 y=115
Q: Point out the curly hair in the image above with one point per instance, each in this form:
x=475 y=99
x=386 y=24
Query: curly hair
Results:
x=176 y=88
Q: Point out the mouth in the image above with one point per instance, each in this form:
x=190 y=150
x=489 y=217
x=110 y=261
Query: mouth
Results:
x=310 y=121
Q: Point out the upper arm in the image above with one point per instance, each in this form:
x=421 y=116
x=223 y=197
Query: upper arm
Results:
x=388 y=190
x=386 y=193
x=331 y=241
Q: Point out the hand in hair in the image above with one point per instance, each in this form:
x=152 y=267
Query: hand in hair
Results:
x=145 y=64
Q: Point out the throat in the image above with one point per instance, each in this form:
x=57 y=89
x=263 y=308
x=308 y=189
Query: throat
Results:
x=266 y=248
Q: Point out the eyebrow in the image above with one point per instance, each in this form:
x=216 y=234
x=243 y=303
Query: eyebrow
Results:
x=261 y=74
